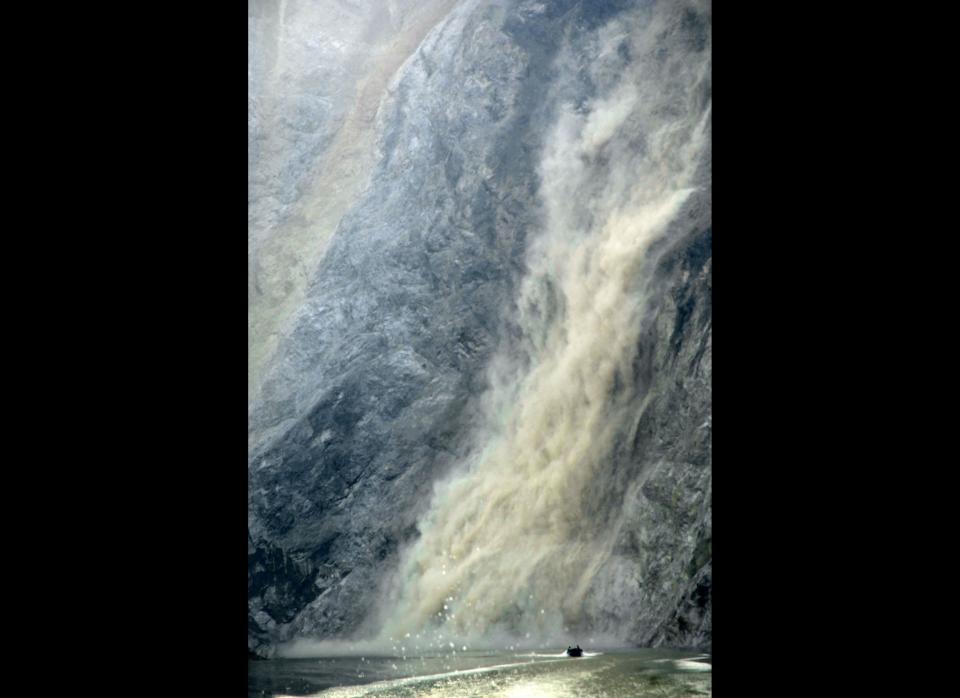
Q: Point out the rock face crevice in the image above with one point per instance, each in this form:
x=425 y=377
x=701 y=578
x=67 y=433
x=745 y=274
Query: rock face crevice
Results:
x=673 y=448
x=373 y=386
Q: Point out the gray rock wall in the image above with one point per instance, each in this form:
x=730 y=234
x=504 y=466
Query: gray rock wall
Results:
x=374 y=384
x=660 y=567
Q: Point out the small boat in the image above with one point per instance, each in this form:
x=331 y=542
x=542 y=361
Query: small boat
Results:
x=574 y=651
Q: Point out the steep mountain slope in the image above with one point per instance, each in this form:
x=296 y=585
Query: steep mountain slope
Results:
x=506 y=338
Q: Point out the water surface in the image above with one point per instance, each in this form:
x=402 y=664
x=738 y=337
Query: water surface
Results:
x=634 y=672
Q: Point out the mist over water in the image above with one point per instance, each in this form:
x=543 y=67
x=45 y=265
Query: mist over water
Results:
x=515 y=537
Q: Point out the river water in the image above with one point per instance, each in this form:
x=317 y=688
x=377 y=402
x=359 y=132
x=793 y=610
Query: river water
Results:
x=633 y=672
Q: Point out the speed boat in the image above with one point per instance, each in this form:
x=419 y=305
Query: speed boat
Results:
x=574 y=651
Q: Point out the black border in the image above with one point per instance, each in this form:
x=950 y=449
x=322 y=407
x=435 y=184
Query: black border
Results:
x=149 y=172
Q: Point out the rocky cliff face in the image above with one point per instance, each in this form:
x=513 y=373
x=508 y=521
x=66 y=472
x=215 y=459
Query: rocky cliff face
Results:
x=661 y=562
x=422 y=304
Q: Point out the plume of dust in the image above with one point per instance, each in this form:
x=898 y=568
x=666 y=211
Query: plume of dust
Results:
x=512 y=542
